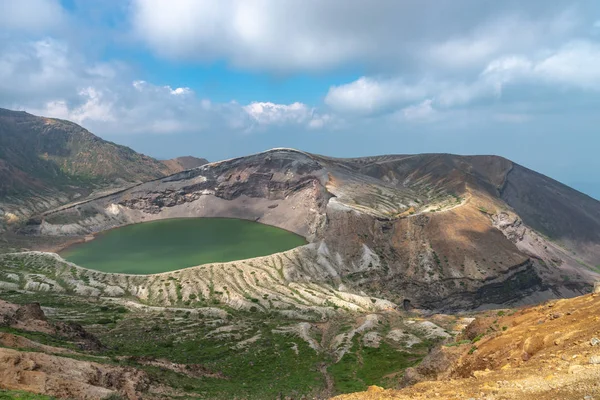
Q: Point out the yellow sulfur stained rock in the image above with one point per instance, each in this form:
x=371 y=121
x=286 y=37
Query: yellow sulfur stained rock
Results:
x=375 y=389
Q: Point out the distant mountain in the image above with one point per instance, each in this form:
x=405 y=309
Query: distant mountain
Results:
x=183 y=163
x=436 y=231
x=45 y=162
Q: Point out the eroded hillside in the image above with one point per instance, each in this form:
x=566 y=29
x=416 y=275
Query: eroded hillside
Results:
x=392 y=241
x=549 y=351
x=95 y=347
x=426 y=231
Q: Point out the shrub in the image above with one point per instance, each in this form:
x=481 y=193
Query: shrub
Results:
x=114 y=396
x=477 y=338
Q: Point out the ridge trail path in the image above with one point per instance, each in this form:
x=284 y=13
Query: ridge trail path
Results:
x=428 y=209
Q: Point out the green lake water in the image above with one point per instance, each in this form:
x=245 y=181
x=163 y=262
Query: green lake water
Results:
x=166 y=245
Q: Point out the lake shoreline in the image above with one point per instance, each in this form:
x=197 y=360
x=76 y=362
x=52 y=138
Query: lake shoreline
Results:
x=168 y=244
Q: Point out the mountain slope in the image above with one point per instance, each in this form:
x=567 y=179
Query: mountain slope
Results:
x=54 y=161
x=551 y=208
x=432 y=231
x=183 y=163
x=549 y=351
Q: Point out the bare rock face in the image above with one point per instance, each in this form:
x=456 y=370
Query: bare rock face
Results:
x=184 y=163
x=75 y=333
x=31 y=317
x=53 y=375
x=68 y=378
x=438 y=365
x=31 y=311
x=438 y=231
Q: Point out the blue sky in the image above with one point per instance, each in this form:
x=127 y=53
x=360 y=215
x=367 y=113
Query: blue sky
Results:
x=224 y=78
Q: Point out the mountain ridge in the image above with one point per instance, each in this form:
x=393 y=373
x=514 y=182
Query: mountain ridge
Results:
x=55 y=161
x=426 y=221
x=403 y=251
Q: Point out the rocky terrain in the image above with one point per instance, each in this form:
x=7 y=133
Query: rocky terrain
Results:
x=31 y=366
x=437 y=232
x=127 y=350
x=549 y=351
x=184 y=163
x=214 y=352
x=403 y=252
x=46 y=162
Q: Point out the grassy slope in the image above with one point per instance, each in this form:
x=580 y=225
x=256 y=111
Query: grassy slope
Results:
x=39 y=153
x=15 y=394
x=264 y=369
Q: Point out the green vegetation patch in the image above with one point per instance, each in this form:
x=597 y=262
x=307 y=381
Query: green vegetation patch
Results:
x=362 y=367
x=273 y=364
x=16 y=394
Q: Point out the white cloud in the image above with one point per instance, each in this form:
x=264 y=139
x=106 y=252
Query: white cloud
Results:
x=180 y=91
x=267 y=113
x=371 y=95
x=506 y=34
x=115 y=107
x=46 y=77
x=270 y=113
x=421 y=111
x=573 y=65
x=424 y=64
x=42 y=70
x=313 y=35
x=31 y=15
x=143 y=86
x=577 y=63
x=254 y=33
x=92 y=108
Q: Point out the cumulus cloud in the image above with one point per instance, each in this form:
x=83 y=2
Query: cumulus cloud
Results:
x=46 y=77
x=371 y=95
x=315 y=35
x=41 y=70
x=145 y=108
x=572 y=66
x=255 y=33
x=510 y=33
x=267 y=113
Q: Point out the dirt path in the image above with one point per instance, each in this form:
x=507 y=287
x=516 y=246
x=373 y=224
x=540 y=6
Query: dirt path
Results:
x=427 y=210
x=328 y=380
